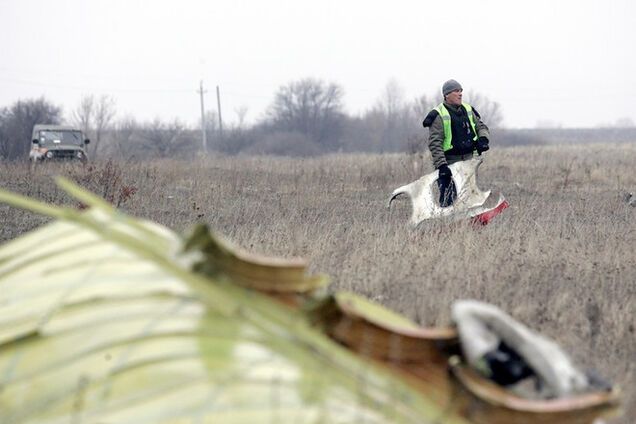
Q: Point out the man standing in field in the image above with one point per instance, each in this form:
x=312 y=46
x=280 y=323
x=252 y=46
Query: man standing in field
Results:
x=456 y=132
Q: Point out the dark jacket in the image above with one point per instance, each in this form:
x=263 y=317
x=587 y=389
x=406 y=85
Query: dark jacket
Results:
x=461 y=129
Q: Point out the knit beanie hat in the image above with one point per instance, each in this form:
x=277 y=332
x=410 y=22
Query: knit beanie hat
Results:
x=450 y=85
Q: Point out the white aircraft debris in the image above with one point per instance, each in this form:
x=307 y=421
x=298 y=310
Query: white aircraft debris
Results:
x=469 y=202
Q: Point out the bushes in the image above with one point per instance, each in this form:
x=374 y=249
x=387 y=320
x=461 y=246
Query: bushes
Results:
x=283 y=143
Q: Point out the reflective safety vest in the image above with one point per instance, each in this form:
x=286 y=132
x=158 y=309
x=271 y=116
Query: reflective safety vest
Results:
x=446 y=120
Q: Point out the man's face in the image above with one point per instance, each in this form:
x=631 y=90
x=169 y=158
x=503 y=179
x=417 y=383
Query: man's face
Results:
x=454 y=97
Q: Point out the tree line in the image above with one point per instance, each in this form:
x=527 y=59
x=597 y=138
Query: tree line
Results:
x=306 y=117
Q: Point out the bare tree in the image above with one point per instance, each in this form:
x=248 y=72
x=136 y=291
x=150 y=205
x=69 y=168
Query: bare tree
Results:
x=392 y=100
x=82 y=115
x=241 y=113
x=5 y=141
x=393 y=116
x=161 y=139
x=310 y=107
x=122 y=136
x=489 y=110
x=17 y=121
x=422 y=105
x=93 y=116
x=104 y=114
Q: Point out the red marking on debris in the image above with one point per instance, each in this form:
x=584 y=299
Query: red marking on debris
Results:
x=485 y=217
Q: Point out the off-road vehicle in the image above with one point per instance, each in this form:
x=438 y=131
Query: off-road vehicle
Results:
x=51 y=142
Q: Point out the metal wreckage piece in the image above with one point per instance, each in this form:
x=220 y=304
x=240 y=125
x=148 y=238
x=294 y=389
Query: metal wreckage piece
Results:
x=470 y=202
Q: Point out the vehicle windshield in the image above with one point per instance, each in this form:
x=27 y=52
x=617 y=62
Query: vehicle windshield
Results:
x=61 y=137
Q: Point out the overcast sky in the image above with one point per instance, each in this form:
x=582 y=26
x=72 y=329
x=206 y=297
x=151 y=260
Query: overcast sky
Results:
x=568 y=62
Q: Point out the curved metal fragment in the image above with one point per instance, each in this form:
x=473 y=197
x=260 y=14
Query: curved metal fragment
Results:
x=282 y=278
x=375 y=331
x=425 y=205
x=485 y=402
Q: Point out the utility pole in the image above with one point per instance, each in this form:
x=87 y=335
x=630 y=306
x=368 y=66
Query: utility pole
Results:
x=204 y=140
x=218 y=106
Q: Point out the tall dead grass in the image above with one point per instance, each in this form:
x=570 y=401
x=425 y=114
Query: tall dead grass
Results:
x=561 y=258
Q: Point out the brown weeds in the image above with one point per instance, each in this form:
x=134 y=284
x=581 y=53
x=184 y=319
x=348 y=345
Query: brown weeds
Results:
x=560 y=259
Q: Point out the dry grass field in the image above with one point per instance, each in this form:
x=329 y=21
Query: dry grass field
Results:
x=561 y=259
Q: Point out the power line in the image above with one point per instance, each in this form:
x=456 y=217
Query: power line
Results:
x=114 y=90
